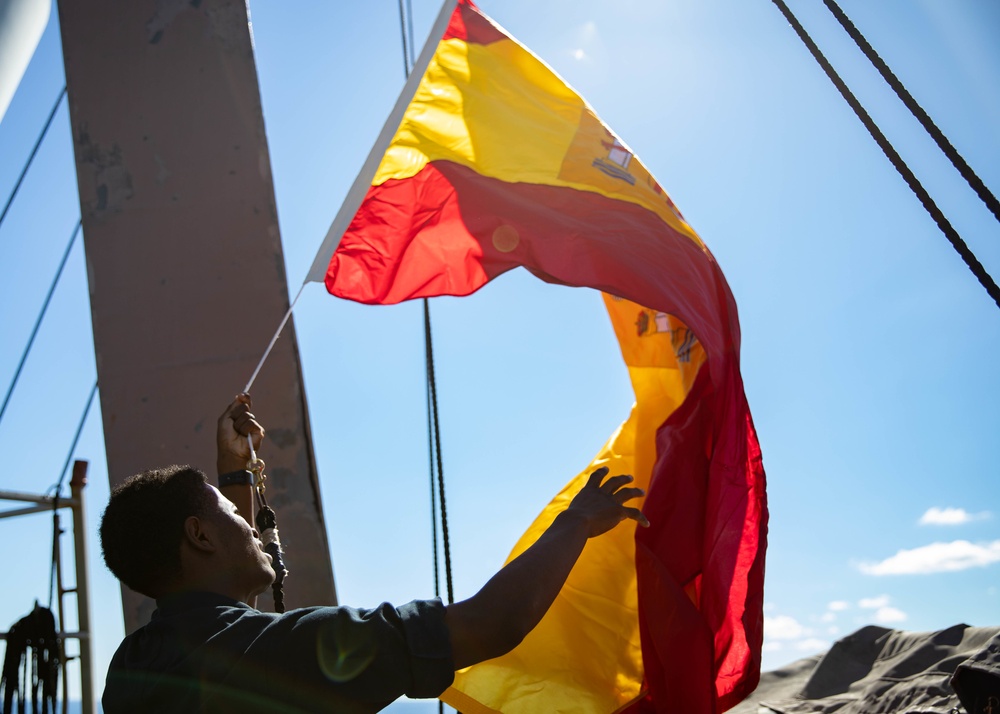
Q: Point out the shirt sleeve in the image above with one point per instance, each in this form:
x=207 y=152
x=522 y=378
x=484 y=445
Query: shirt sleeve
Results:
x=348 y=657
x=432 y=666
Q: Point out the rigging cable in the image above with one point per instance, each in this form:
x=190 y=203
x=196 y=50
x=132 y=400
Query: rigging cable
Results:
x=34 y=151
x=41 y=316
x=409 y=34
x=76 y=437
x=911 y=180
x=56 y=530
x=433 y=424
x=407 y=53
x=432 y=392
x=434 y=534
x=928 y=124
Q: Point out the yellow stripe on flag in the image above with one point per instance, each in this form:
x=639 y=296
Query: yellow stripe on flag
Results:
x=586 y=650
x=503 y=112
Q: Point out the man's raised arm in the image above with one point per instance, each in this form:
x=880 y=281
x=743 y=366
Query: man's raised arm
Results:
x=495 y=620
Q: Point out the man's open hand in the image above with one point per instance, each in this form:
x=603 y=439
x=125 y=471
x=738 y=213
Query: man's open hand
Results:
x=231 y=435
x=602 y=504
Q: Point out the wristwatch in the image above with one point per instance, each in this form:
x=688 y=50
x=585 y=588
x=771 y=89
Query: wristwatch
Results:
x=236 y=478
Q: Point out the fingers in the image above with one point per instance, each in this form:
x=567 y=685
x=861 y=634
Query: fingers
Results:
x=243 y=421
x=597 y=476
x=615 y=488
x=627 y=494
x=247 y=424
x=615 y=482
x=240 y=402
x=636 y=515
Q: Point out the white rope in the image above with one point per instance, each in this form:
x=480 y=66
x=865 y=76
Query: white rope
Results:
x=271 y=345
x=270 y=536
x=253 y=454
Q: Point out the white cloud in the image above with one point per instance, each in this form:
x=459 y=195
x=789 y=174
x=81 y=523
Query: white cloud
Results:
x=827 y=617
x=833 y=630
x=838 y=605
x=950 y=516
x=783 y=633
x=887 y=615
x=873 y=603
x=936 y=558
x=579 y=54
x=783 y=627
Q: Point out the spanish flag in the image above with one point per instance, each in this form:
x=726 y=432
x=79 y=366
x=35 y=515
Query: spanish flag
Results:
x=489 y=162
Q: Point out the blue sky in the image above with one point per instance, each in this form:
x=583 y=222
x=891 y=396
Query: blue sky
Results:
x=869 y=349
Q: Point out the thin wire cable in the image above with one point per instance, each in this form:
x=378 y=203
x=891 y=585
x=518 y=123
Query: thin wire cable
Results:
x=911 y=180
x=432 y=388
x=76 y=438
x=930 y=127
x=56 y=533
x=406 y=43
x=56 y=529
x=409 y=31
x=34 y=151
x=41 y=316
x=274 y=339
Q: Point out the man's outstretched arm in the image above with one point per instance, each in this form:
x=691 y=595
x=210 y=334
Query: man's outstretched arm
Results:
x=495 y=620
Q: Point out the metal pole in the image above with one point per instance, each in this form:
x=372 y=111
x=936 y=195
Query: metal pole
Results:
x=60 y=592
x=76 y=485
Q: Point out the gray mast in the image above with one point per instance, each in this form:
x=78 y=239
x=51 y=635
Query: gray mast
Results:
x=184 y=257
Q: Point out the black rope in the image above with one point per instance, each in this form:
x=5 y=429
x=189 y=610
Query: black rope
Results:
x=911 y=180
x=433 y=430
x=31 y=157
x=266 y=521
x=434 y=534
x=41 y=316
x=929 y=126
x=432 y=391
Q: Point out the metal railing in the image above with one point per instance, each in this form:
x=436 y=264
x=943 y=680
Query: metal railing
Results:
x=48 y=504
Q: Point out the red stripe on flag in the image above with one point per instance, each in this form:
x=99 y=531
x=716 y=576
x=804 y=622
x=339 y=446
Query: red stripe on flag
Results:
x=468 y=24
x=700 y=565
x=455 y=230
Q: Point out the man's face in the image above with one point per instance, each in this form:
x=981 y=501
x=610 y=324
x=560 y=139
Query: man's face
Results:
x=241 y=551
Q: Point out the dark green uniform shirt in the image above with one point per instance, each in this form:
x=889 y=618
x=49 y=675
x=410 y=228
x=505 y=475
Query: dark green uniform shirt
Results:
x=203 y=652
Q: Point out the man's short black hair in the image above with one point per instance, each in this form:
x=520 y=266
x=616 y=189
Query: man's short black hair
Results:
x=142 y=526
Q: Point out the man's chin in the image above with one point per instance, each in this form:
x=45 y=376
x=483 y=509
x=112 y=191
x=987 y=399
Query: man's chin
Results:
x=266 y=580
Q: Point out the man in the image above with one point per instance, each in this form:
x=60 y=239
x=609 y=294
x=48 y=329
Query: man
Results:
x=170 y=535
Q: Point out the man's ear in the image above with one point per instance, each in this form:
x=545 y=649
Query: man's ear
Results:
x=199 y=535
